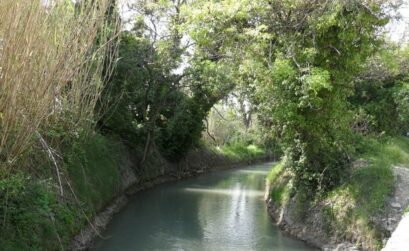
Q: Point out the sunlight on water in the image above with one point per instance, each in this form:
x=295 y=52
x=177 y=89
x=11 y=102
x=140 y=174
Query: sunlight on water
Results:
x=231 y=192
x=220 y=211
x=254 y=172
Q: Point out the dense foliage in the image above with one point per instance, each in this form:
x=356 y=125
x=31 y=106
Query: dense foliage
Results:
x=299 y=59
x=381 y=94
x=146 y=105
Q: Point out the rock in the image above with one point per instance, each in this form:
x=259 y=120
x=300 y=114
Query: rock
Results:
x=384 y=241
x=396 y=205
x=345 y=246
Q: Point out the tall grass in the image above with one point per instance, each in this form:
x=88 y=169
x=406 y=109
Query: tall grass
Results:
x=52 y=65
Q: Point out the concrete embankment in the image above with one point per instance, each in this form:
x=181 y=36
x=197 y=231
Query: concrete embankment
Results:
x=399 y=240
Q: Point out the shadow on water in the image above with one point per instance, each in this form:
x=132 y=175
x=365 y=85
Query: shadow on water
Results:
x=218 y=211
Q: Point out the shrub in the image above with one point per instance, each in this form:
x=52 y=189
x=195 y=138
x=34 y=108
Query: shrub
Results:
x=32 y=217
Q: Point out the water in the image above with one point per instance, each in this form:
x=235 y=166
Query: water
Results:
x=219 y=211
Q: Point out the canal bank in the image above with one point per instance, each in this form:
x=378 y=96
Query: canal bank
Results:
x=339 y=221
x=197 y=162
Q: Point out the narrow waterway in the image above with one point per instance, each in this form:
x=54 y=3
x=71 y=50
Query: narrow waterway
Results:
x=218 y=211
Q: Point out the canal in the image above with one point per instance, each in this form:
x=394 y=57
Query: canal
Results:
x=222 y=210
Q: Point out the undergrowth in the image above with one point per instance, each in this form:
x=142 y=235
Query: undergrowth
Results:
x=93 y=169
x=33 y=214
x=278 y=182
x=350 y=208
x=33 y=217
x=240 y=152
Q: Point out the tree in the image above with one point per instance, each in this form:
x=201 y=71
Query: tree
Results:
x=301 y=56
x=381 y=93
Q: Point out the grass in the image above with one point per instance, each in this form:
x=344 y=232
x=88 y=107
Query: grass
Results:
x=275 y=172
x=33 y=217
x=278 y=182
x=348 y=210
x=364 y=194
x=386 y=152
x=93 y=169
x=354 y=204
x=240 y=152
x=32 y=214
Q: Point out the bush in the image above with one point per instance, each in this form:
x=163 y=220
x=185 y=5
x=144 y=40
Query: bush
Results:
x=33 y=218
x=385 y=104
x=181 y=129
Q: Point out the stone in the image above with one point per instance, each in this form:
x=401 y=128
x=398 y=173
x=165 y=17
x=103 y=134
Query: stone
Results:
x=395 y=205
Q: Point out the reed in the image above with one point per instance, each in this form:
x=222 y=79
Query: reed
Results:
x=53 y=61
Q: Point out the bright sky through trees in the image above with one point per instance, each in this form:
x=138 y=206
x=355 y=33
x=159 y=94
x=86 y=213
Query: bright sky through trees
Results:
x=398 y=29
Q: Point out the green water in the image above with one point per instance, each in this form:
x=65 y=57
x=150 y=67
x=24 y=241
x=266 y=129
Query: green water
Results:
x=222 y=211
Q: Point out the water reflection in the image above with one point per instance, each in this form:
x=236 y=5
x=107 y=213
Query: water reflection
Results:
x=219 y=211
x=260 y=172
x=230 y=192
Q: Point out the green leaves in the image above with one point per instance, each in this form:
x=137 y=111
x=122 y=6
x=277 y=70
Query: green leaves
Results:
x=283 y=71
x=317 y=80
x=298 y=58
x=381 y=93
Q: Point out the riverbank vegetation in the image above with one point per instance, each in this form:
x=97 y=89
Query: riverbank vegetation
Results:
x=83 y=93
x=352 y=210
x=54 y=57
